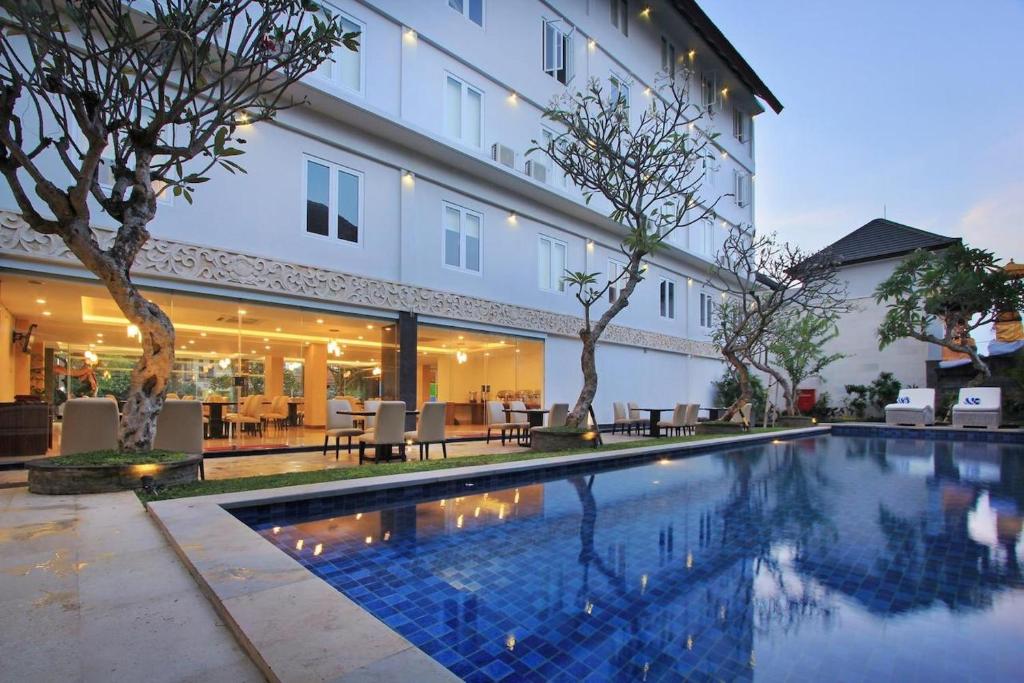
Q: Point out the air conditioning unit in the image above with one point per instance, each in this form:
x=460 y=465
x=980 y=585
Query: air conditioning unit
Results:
x=537 y=170
x=506 y=156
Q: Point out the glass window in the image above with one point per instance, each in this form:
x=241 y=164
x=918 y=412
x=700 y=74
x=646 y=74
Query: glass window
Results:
x=471 y=9
x=463 y=112
x=619 y=91
x=615 y=271
x=620 y=15
x=344 y=67
x=707 y=304
x=332 y=190
x=462 y=234
x=318 y=193
x=557 y=51
x=551 y=264
x=668 y=299
x=668 y=57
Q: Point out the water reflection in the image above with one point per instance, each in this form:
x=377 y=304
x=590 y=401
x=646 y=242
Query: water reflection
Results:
x=772 y=561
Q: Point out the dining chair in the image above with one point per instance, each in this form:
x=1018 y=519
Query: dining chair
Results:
x=430 y=428
x=90 y=424
x=496 y=419
x=389 y=430
x=179 y=428
x=339 y=426
x=558 y=415
x=637 y=418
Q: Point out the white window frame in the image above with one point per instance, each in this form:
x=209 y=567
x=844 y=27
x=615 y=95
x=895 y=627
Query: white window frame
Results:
x=667 y=298
x=741 y=188
x=706 y=310
x=709 y=95
x=332 y=196
x=742 y=125
x=334 y=81
x=564 y=51
x=556 y=176
x=668 y=57
x=465 y=86
x=558 y=284
x=617 y=86
x=620 y=16
x=711 y=164
x=164 y=196
x=463 y=212
x=706 y=235
x=465 y=11
x=614 y=269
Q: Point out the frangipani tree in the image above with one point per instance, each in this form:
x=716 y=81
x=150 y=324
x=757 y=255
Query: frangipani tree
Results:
x=795 y=346
x=104 y=104
x=648 y=166
x=958 y=290
x=762 y=281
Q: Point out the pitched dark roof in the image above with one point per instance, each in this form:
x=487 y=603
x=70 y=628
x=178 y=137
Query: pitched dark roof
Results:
x=881 y=239
x=714 y=37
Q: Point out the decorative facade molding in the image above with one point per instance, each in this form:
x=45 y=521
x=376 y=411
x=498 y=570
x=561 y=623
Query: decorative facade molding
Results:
x=178 y=261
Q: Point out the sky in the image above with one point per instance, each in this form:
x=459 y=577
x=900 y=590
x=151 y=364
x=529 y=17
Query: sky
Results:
x=914 y=108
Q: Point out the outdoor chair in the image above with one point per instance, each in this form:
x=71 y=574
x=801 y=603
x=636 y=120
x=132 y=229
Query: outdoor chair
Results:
x=90 y=424
x=179 y=428
x=637 y=418
x=497 y=420
x=389 y=429
x=621 y=419
x=519 y=418
x=912 y=407
x=339 y=426
x=690 y=423
x=430 y=428
x=978 y=407
x=370 y=420
x=678 y=422
x=558 y=415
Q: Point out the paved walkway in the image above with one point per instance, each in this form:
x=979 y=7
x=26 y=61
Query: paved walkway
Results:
x=90 y=591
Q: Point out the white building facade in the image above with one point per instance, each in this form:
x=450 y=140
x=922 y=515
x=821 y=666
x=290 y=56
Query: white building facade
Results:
x=404 y=192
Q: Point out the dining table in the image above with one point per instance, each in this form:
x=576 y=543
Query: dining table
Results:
x=534 y=418
x=655 y=430
x=384 y=451
x=215 y=428
x=714 y=412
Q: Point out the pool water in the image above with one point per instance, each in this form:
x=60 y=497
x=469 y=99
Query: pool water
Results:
x=832 y=558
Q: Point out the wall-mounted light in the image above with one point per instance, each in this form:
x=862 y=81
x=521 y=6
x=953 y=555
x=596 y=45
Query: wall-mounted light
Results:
x=725 y=92
x=590 y=245
x=592 y=44
x=512 y=218
x=692 y=54
x=408 y=179
x=513 y=98
x=647 y=91
x=645 y=12
x=410 y=36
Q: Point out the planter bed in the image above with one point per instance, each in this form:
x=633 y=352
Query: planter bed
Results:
x=547 y=439
x=105 y=473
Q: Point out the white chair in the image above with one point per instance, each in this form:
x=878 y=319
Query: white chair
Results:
x=90 y=424
x=179 y=428
x=339 y=426
x=277 y=413
x=558 y=415
x=978 y=407
x=496 y=419
x=912 y=407
x=678 y=422
x=692 y=410
x=621 y=419
x=430 y=428
x=370 y=420
x=518 y=418
x=637 y=418
x=248 y=414
x=389 y=430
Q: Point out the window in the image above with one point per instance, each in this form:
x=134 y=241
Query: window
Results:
x=709 y=91
x=105 y=170
x=741 y=188
x=620 y=15
x=710 y=164
x=741 y=125
x=556 y=176
x=463 y=112
x=557 y=51
x=619 y=90
x=707 y=309
x=344 y=67
x=705 y=236
x=668 y=57
x=462 y=231
x=333 y=196
x=667 y=292
x=471 y=9
x=615 y=271
x=551 y=264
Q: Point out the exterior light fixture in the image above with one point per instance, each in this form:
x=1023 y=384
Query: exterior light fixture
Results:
x=592 y=44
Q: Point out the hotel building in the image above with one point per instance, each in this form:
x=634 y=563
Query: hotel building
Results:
x=393 y=237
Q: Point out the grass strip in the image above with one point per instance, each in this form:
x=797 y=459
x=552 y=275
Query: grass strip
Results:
x=94 y=458
x=273 y=481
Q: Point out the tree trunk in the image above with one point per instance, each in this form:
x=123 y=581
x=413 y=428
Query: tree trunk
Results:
x=746 y=388
x=787 y=393
x=984 y=372
x=152 y=371
x=588 y=363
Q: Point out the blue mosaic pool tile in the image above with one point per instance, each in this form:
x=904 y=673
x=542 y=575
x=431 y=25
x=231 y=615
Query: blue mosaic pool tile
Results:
x=842 y=558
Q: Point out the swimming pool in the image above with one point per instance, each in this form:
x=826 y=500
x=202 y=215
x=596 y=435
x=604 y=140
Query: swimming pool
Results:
x=830 y=558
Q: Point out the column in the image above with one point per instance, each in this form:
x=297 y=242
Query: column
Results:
x=22 y=364
x=314 y=379
x=407 y=340
x=273 y=375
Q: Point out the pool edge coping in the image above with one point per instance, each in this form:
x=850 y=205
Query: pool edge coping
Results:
x=248 y=580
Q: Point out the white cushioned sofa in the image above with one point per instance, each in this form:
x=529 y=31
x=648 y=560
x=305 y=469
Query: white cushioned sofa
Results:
x=978 y=407
x=912 y=407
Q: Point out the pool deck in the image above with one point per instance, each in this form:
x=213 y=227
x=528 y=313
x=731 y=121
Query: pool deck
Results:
x=262 y=593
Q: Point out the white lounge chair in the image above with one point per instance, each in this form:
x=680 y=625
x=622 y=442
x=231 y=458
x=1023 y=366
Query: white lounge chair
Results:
x=978 y=407
x=912 y=407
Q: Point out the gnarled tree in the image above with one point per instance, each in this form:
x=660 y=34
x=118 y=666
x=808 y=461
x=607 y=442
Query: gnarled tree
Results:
x=104 y=104
x=940 y=297
x=648 y=166
x=761 y=280
x=795 y=347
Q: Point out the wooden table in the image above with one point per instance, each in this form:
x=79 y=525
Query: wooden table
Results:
x=714 y=412
x=215 y=428
x=655 y=419
x=534 y=418
x=384 y=451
